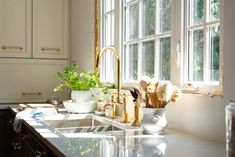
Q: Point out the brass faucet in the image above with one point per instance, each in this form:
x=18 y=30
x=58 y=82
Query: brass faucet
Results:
x=98 y=56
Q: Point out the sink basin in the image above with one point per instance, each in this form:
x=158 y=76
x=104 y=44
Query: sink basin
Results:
x=81 y=126
x=88 y=124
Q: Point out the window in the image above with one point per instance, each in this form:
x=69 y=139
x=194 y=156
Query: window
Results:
x=146 y=39
x=165 y=39
x=203 y=41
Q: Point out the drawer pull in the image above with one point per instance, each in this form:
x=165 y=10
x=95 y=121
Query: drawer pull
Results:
x=24 y=136
x=10 y=120
x=50 y=49
x=16 y=145
x=31 y=93
x=38 y=153
x=12 y=48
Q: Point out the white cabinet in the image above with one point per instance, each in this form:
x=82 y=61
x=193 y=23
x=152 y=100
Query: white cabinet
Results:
x=50 y=28
x=15 y=28
x=34 y=36
x=34 y=28
x=29 y=80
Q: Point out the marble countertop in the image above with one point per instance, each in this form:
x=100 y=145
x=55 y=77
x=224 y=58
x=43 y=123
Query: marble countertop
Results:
x=128 y=143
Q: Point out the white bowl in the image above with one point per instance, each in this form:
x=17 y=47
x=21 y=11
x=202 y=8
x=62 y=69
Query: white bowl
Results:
x=81 y=96
x=80 y=107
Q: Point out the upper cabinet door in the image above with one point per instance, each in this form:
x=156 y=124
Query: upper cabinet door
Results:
x=50 y=28
x=15 y=28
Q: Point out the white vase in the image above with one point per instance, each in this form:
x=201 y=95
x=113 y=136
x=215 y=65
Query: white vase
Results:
x=81 y=96
x=154 y=121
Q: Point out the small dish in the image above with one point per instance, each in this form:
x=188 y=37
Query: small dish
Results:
x=100 y=113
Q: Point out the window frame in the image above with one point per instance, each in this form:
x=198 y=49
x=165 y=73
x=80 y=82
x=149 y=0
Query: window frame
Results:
x=179 y=54
x=141 y=39
x=204 y=87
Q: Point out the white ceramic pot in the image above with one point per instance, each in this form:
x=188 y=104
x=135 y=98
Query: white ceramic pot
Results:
x=81 y=96
x=154 y=120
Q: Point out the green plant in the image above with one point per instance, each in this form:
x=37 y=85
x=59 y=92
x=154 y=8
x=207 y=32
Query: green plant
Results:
x=73 y=80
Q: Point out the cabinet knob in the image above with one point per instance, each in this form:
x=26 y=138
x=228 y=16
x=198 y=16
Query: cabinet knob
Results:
x=23 y=136
x=39 y=153
x=16 y=145
x=10 y=120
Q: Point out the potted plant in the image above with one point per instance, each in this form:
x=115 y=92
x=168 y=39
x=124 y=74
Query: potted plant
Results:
x=80 y=85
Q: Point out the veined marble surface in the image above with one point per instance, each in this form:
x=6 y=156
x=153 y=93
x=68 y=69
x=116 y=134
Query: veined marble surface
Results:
x=128 y=143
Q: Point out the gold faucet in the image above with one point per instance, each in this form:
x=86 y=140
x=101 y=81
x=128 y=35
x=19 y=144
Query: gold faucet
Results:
x=98 y=56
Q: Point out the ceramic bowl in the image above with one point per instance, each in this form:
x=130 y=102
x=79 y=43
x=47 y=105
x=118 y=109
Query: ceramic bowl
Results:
x=80 y=107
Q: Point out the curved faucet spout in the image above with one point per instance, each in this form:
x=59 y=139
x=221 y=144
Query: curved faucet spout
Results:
x=117 y=56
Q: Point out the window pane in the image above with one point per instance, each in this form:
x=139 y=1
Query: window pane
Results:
x=109 y=5
x=214 y=52
x=214 y=10
x=127 y=1
x=148 y=17
x=109 y=70
x=165 y=15
x=131 y=63
x=197 y=48
x=133 y=22
x=108 y=29
x=196 y=11
x=165 y=58
x=148 y=59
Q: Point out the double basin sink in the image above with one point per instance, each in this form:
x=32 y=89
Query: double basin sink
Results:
x=75 y=124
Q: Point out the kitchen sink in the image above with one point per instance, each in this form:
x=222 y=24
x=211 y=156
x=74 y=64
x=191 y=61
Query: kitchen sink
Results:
x=88 y=124
x=82 y=126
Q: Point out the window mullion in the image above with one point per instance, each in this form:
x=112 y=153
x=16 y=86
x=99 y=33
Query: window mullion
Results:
x=157 y=54
x=128 y=58
x=206 y=46
x=206 y=54
x=157 y=17
x=140 y=20
x=140 y=44
x=140 y=47
x=190 y=49
x=127 y=23
x=157 y=58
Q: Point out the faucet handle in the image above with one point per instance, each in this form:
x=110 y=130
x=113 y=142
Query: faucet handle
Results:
x=124 y=98
x=112 y=99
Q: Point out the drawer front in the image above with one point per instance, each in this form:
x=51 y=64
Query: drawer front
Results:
x=31 y=147
x=29 y=80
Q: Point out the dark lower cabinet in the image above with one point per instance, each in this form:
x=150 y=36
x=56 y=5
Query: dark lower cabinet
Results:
x=34 y=145
x=14 y=138
x=4 y=133
x=27 y=143
x=31 y=146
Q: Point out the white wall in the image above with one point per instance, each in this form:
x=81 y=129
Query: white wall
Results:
x=200 y=115
x=82 y=31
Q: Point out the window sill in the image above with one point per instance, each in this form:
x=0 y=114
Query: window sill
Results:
x=197 y=89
